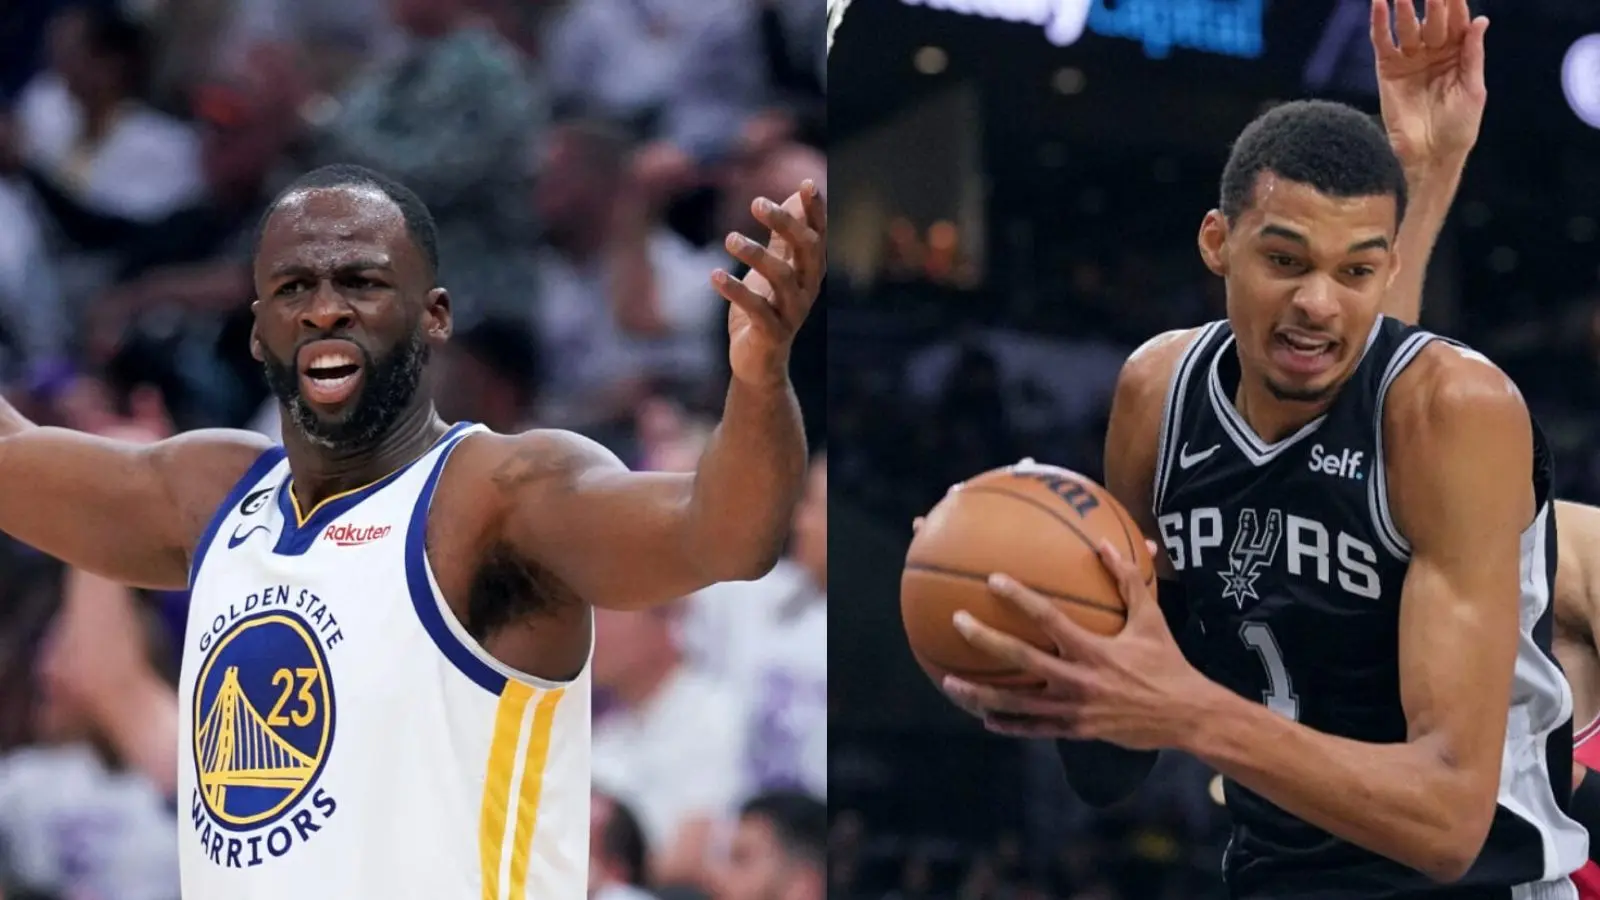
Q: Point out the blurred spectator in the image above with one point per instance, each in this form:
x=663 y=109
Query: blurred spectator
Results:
x=617 y=851
x=83 y=126
x=670 y=743
x=448 y=117
x=33 y=325
x=621 y=297
x=683 y=73
x=77 y=821
x=779 y=850
x=490 y=373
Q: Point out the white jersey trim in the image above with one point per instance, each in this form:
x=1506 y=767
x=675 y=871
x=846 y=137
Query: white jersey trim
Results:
x=1378 y=488
x=1540 y=702
x=1172 y=413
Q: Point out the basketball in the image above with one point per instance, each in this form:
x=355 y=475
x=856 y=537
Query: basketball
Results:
x=1039 y=524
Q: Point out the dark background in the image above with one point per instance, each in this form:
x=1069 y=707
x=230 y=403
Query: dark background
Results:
x=1075 y=216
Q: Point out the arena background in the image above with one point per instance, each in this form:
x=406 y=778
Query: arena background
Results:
x=1014 y=215
x=583 y=159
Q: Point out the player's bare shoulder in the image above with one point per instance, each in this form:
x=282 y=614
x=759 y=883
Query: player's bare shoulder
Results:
x=491 y=474
x=1142 y=387
x=1454 y=424
x=1454 y=390
x=198 y=469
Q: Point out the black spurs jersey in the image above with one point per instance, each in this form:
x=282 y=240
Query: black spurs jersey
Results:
x=1293 y=571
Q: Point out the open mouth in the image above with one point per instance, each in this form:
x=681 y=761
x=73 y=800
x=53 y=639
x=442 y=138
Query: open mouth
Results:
x=1304 y=353
x=330 y=371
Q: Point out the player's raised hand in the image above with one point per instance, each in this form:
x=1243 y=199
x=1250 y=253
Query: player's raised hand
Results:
x=772 y=301
x=1132 y=689
x=1430 y=79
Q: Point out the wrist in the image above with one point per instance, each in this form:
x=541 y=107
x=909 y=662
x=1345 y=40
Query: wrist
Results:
x=1436 y=172
x=771 y=378
x=1208 y=726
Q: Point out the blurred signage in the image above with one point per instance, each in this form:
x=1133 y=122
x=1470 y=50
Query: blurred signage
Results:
x=1580 y=79
x=1222 y=27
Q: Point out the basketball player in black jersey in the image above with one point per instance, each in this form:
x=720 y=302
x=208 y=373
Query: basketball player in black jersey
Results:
x=1359 y=550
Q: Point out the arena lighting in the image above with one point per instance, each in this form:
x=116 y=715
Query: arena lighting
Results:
x=1580 y=79
x=1063 y=20
x=1224 y=27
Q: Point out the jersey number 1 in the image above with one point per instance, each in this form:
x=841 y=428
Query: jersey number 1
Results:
x=1279 y=695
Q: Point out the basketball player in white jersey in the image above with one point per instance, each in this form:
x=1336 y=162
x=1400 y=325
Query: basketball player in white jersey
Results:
x=384 y=690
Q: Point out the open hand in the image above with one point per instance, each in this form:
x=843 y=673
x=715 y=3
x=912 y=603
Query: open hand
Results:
x=771 y=302
x=1133 y=689
x=1430 y=80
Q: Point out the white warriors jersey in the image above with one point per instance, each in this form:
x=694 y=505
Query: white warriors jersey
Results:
x=343 y=738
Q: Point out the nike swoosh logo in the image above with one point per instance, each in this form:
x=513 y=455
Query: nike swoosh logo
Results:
x=1187 y=460
x=236 y=539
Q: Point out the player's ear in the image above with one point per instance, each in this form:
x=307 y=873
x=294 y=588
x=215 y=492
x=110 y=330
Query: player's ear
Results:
x=440 y=322
x=1213 y=241
x=256 y=350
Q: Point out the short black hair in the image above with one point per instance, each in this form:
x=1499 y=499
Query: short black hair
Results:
x=419 y=222
x=799 y=820
x=1336 y=149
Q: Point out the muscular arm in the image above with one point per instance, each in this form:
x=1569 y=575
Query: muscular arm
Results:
x=129 y=512
x=1102 y=773
x=1427 y=802
x=627 y=540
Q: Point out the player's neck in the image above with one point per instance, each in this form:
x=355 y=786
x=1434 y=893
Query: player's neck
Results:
x=1272 y=418
x=320 y=473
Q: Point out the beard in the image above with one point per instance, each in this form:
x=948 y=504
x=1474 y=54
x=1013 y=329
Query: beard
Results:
x=389 y=385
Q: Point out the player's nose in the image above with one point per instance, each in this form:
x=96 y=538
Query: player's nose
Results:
x=1317 y=301
x=328 y=311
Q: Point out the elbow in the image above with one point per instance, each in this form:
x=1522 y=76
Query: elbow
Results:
x=1457 y=838
x=740 y=563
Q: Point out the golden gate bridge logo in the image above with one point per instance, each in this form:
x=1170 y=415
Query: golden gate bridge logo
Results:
x=263 y=719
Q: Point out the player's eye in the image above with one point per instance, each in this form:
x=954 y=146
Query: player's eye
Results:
x=290 y=288
x=1360 y=271
x=1283 y=261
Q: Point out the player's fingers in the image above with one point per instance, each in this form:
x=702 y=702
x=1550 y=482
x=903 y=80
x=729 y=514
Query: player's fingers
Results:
x=1382 y=34
x=1123 y=570
x=817 y=208
x=1152 y=547
x=757 y=307
x=1472 y=56
x=1004 y=647
x=1406 y=26
x=801 y=237
x=994 y=701
x=953 y=689
x=777 y=270
x=1064 y=727
x=1435 y=25
x=1460 y=19
x=1068 y=636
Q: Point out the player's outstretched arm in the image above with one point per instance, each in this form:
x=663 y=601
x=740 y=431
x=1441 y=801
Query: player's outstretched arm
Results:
x=1458 y=442
x=621 y=539
x=1430 y=84
x=133 y=513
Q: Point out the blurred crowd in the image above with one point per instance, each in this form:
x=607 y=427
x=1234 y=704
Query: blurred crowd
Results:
x=583 y=160
x=941 y=375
